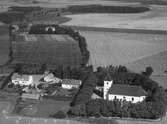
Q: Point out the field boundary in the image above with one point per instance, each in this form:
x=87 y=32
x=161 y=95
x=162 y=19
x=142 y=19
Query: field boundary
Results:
x=122 y=30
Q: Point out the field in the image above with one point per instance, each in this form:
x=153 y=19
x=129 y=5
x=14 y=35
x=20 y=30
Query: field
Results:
x=62 y=3
x=127 y=49
x=8 y=118
x=50 y=107
x=53 y=50
x=152 y=20
x=43 y=108
x=4 y=45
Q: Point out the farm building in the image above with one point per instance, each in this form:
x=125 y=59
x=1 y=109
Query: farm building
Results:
x=129 y=93
x=54 y=50
x=70 y=83
x=36 y=96
x=50 y=78
x=23 y=79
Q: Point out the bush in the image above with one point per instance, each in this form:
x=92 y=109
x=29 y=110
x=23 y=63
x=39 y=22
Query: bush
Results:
x=59 y=114
x=78 y=110
x=93 y=108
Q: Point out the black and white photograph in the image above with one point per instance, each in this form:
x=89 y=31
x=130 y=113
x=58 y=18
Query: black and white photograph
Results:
x=83 y=61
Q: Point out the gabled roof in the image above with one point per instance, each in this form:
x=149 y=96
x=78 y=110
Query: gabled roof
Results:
x=127 y=90
x=71 y=81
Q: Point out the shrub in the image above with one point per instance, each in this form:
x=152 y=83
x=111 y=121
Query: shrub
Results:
x=59 y=114
x=78 y=110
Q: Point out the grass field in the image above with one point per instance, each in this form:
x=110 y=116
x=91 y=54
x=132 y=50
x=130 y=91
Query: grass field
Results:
x=4 y=45
x=52 y=50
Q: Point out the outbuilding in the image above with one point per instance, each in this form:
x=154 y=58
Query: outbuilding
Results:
x=70 y=83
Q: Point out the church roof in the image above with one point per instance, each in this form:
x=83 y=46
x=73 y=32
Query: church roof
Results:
x=127 y=90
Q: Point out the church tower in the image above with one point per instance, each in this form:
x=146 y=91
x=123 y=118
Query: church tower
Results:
x=107 y=85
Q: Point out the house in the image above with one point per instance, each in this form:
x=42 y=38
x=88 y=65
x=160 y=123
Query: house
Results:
x=122 y=92
x=25 y=80
x=70 y=83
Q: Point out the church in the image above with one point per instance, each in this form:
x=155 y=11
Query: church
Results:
x=122 y=92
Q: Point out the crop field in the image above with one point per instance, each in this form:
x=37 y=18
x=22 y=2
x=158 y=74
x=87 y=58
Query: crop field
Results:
x=61 y=3
x=151 y=20
x=127 y=49
x=53 y=50
x=4 y=45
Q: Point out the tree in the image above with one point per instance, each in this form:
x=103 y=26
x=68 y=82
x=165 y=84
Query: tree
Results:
x=86 y=91
x=103 y=108
x=43 y=67
x=148 y=71
x=78 y=110
x=93 y=108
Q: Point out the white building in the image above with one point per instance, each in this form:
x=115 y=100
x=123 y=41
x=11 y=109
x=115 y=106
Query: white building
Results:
x=50 y=78
x=25 y=80
x=122 y=92
x=71 y=83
